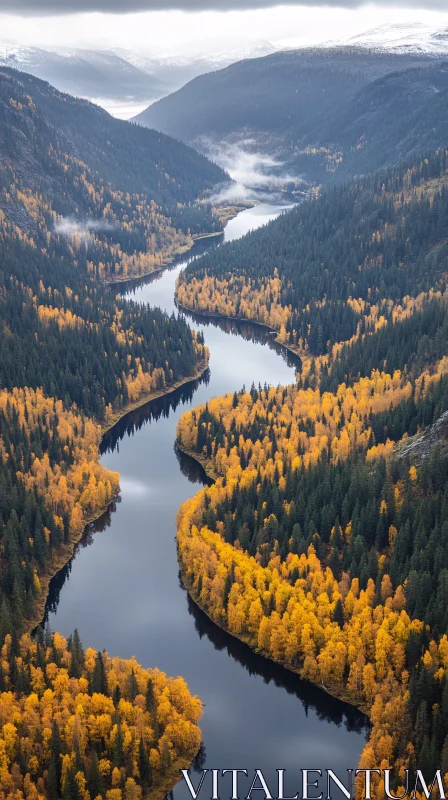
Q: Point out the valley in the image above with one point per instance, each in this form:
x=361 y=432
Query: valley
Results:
x=223 y=402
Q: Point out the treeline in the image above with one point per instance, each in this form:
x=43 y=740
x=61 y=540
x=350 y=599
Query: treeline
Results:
x=335 y=268
x=80 y=725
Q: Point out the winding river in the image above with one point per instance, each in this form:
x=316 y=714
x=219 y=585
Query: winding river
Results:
x=122 y=588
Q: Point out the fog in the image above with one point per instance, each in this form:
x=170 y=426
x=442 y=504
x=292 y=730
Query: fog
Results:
x=256 y=174
x=83 y=228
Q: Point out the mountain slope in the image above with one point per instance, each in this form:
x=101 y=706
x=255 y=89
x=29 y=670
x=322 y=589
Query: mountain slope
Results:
x=72 y=169
x=73 y=354
x=312 y=108
x=290 y=94
x=392 y=119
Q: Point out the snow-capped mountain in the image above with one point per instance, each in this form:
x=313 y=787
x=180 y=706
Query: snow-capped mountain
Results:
x=410 y=38
x=176 y=71
x=84 y=73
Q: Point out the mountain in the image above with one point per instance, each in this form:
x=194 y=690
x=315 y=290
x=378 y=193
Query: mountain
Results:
x=394 y=118
x=289 y=94
x=325 y=113
x=84 y=73
x=175 y=71
x=73 y=170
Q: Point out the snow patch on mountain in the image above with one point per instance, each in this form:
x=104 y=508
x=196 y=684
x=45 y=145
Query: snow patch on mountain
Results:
x=415 y=37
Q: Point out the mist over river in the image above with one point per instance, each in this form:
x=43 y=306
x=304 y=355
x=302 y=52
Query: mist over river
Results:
x=122 y=588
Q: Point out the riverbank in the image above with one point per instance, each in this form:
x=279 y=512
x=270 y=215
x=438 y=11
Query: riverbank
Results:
x=295 y=351
x=225 y=214
x=345 y=698
x=65 y=553
x=163 y=788
x=205 y=463
x=166 y=264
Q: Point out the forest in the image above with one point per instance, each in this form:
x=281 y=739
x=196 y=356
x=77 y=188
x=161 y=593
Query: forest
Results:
x=322 y=541
x=80 y=725
x=73 y=356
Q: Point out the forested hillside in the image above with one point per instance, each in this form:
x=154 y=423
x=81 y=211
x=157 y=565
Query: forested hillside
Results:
x=72 y=355
x=335 y=268
x=328 y=114
x=127 y=197
x=323 y=541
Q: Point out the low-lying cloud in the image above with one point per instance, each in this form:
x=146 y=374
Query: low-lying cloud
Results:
x=58 y=7
x=84 y=228
x=255 y=173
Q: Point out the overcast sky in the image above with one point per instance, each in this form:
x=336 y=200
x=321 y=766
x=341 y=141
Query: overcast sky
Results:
x=202 y=25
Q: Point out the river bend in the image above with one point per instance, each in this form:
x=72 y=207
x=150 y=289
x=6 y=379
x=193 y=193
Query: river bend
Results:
x=122 y=588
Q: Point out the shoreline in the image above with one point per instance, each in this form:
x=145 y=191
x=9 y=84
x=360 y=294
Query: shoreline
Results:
x=204 y=463
x=165 y=265
x=167 y=785
x=246 y=640
x=213 y=315
x=187 y=248
x=66 y=553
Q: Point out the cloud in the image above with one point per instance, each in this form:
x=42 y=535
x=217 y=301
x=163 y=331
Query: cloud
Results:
x=56 y=7
x=67 y=226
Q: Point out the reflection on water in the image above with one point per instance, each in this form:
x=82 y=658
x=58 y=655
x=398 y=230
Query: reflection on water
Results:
x=327 y=708
x=151 y=412
x=57 y=582
x=251 y=333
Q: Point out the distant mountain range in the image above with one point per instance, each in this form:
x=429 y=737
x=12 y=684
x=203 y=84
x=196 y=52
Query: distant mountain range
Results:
x=175 y=71
x=84 y=73
x=118 y=75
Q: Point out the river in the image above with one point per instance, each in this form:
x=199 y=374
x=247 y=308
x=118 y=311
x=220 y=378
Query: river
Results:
x=122 y=588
